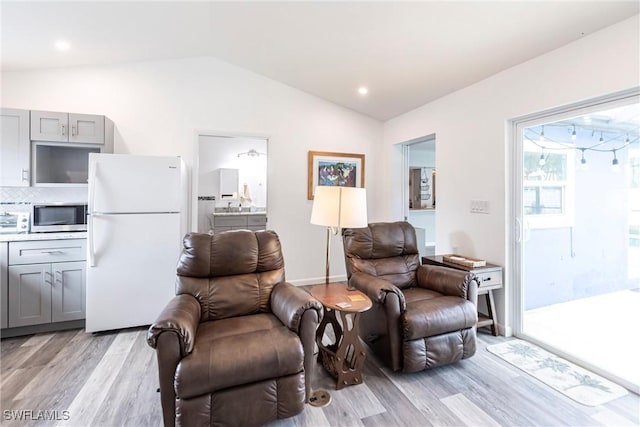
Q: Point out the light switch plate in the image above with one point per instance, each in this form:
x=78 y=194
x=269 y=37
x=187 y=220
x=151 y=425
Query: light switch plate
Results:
x=479 y=206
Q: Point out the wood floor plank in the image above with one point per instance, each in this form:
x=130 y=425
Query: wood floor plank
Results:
x=468 y=412
x=21 y=354
x=84 y=407
x=111 y=380
x=607 y=417
x=131 y=382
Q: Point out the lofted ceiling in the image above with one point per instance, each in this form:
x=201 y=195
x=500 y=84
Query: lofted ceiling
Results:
x=406 y=53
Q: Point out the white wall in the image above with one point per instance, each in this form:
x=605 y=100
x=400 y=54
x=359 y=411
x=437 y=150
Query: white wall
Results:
x=157 y=107
x=471 y=128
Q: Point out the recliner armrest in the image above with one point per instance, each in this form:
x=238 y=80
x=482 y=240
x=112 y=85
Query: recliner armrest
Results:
x=289 y=303
x=182 y=316
x=448 y=281
x=376 y=288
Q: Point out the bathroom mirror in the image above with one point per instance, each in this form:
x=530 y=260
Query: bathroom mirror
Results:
x=232 y=183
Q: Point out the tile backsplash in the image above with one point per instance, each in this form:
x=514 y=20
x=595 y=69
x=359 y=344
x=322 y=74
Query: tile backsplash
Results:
x=20 y=198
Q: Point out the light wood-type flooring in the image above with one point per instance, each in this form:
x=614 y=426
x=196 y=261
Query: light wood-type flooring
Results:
x=111 y=380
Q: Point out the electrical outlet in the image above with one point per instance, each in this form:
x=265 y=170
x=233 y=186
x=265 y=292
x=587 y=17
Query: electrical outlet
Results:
x=479 y=206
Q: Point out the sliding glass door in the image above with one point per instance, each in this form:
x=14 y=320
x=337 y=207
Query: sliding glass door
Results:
x=578 y=206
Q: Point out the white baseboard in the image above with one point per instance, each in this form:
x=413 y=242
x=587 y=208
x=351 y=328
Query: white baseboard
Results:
x=317 y=280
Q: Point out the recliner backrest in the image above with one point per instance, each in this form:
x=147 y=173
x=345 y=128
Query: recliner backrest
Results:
x=387 y=250
x=231 y=273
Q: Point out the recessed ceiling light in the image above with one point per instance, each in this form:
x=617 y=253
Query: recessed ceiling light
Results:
x=62 y=45
x=363 y=90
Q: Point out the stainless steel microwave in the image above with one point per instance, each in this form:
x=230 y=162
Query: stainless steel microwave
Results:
x=47 y=217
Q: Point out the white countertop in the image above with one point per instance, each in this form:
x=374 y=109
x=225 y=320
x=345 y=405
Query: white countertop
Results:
x=43 y=236
x=238 y=213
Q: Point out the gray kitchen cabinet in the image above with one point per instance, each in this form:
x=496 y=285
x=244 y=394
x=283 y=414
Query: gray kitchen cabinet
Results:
x=46 y=281
x=68 y=291
x=29 y=294
x=67 y=127
x=4 y=286
x=239 y=222
x=14 y=148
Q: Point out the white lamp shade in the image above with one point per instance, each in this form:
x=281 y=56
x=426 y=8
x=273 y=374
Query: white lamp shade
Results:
x=340 y=207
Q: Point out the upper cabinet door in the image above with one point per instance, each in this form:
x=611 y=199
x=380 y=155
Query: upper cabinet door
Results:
x=49 y=126
x=86 y=128
x=14 y=148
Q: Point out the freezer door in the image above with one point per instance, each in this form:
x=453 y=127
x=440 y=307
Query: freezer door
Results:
x=121 y=183
x=134 y=269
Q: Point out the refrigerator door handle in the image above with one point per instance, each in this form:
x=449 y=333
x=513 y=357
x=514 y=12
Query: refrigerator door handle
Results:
x=93 y=173
x=92 y=256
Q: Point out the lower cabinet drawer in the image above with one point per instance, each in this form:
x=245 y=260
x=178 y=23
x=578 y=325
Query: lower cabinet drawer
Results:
x=256 y=220
x=229 y=221
x=46 y=251
x=489 y=279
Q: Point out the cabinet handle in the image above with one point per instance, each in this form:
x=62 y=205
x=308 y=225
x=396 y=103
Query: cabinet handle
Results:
x=50 y=276
x=53 y=252
x=25 y=174
x=58 y=276
x=64 y=130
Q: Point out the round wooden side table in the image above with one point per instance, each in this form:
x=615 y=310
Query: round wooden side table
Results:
x=344 y=357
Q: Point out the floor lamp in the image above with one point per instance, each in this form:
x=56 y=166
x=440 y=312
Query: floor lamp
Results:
x=336 y=208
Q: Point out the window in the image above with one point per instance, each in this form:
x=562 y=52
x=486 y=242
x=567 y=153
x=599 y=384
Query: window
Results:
x=548 y=185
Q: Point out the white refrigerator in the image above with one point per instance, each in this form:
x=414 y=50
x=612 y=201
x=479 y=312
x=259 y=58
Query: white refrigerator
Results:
x=136 y=221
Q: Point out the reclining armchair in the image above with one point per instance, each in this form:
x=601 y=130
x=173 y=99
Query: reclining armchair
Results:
x=422 y=316
x=235 y=345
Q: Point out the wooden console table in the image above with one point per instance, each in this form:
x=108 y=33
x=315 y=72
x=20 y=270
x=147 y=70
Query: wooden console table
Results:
x=344 y=358
x=489 y=278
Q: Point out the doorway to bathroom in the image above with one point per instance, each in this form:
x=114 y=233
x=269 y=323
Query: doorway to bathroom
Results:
x=419 y=190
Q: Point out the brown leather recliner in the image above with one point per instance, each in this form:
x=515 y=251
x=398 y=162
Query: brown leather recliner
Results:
x=235 y=345
x=422 y=316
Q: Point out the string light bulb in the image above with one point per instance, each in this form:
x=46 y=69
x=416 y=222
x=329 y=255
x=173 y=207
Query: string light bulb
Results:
x=574 y=136
x=542 y=134
x=615 y=164
x=542 y=160
x=583 y=162
x=601 y=137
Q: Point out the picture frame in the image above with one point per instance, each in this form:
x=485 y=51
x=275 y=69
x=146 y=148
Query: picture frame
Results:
x=334 y=169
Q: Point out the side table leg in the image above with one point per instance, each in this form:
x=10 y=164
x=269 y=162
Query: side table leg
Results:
x=351 y=355
x=491 y=307
x=329 y=318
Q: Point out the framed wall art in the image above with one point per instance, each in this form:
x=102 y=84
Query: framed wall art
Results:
x=334 y=169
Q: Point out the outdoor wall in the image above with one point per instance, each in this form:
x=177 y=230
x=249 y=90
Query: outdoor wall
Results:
x=590 y=257
x=472 y=138
x=157 y=107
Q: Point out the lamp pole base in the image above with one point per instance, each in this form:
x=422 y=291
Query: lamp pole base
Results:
x=320 y=398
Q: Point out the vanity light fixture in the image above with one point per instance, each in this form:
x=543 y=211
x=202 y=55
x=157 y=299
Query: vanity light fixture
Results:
x=251 y=153
x=363 y=90
x=62 y=45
